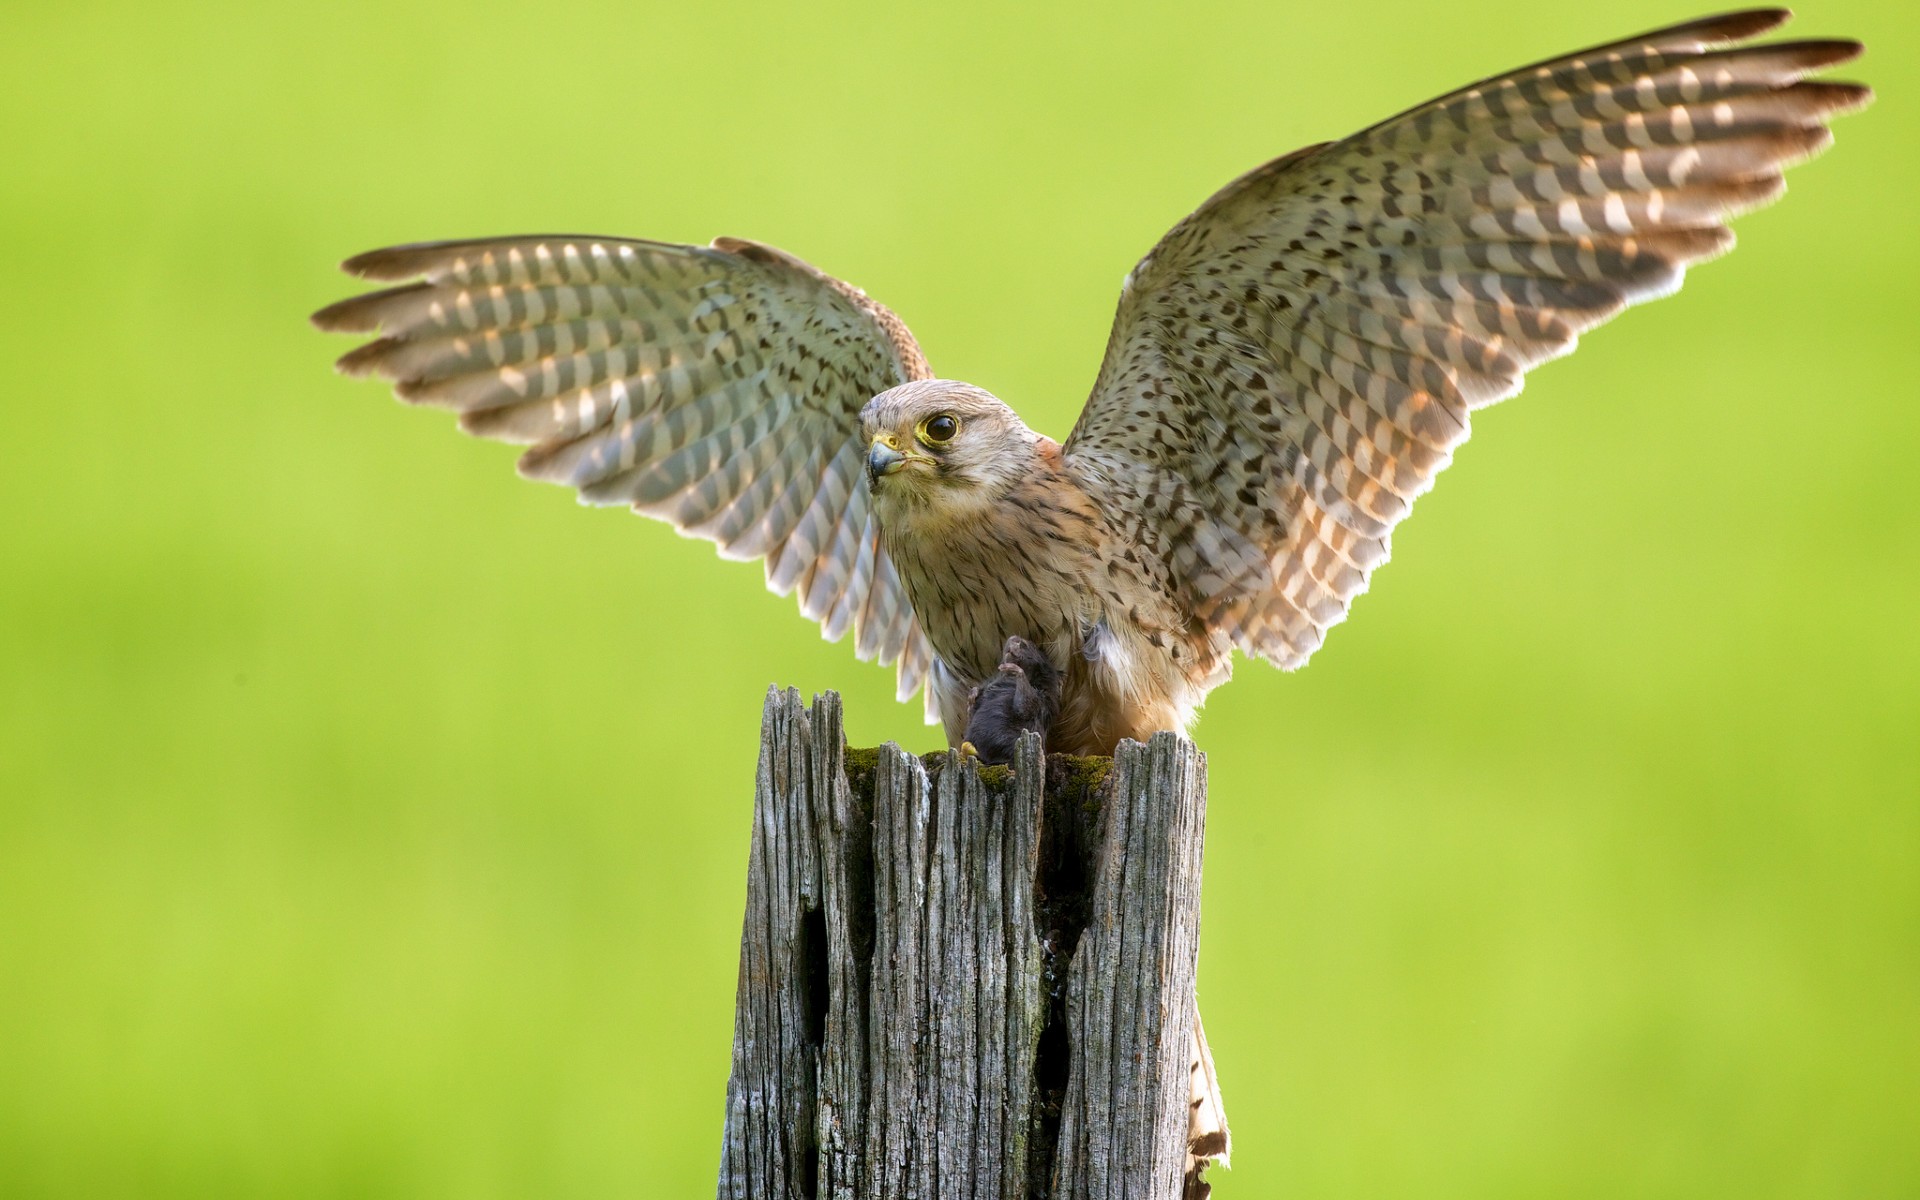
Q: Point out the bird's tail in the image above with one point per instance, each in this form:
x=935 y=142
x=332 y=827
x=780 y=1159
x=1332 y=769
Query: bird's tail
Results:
x=1208 y=1140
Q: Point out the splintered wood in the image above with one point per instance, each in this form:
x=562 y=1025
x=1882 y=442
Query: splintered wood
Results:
x=964 y=983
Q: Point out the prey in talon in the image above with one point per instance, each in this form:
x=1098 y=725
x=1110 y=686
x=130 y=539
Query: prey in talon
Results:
x=1021 y=696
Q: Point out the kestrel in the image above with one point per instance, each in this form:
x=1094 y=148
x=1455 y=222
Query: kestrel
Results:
x=1289 y=368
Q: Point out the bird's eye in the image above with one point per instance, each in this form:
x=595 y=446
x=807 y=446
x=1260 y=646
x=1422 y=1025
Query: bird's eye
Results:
x=940 y=429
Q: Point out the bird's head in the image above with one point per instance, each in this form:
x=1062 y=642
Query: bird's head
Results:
x=935 y=446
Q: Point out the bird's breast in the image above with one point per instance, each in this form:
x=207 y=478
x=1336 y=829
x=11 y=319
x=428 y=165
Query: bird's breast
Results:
x=1042 y=564
x=1024 y=571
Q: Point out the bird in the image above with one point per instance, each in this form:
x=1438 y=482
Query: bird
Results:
x=1022 y=697
x=1289 y=368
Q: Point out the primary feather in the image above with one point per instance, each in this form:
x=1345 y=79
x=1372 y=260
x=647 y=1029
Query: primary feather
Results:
x=717 y=388
x=1289 y=369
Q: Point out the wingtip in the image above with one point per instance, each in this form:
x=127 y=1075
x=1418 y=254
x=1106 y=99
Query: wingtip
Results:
x=1725 y=29
x=364 y=264
x=1843 y=98
x=1753 y=22
x=386 y=263
x=538 y=463
x=1834 y=51
x=363 y=313
x=362 y=361
x=343 y=316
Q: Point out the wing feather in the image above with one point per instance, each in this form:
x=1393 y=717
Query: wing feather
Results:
x=716 y=388
x=1295 y=362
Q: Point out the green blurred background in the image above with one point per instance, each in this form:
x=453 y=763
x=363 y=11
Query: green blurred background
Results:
x=374 y=824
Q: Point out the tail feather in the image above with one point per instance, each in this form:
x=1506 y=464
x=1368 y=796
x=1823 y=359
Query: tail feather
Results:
x=1208 y=1140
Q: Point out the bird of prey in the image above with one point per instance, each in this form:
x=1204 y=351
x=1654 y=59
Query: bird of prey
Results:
x=1289 y=368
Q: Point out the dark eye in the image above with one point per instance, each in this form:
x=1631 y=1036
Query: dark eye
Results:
x=939 y=430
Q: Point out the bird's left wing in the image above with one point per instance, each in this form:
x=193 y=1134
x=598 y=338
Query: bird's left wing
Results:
x=717 y=388
x=1294 y=363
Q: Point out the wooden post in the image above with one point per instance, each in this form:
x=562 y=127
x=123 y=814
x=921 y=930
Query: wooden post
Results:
x=963 y=983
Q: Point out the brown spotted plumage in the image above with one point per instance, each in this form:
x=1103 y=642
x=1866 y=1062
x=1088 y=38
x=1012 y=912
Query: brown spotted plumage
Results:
x=1294 y=363
x=1288 y=370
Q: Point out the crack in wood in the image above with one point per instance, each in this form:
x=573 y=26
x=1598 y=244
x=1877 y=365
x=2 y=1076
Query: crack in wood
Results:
x=960 y=983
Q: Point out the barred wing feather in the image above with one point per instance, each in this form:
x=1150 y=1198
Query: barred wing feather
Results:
x=716 y=388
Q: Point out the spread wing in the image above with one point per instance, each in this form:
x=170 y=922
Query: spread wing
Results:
x=717 y=388
x=1294 y=363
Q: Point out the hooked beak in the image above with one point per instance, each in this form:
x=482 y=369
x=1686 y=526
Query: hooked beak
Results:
x=884 y=457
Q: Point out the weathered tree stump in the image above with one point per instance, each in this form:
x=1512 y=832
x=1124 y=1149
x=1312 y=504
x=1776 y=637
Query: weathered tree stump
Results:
x=963 y=983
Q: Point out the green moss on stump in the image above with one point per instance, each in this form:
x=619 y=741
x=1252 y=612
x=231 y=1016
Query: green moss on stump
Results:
x=1080 y=777
x=1084 y=773
x=862 y=763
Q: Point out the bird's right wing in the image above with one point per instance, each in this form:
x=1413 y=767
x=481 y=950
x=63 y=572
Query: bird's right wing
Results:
x=1294 y=363
x=717 y=388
